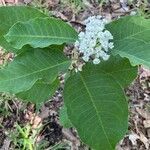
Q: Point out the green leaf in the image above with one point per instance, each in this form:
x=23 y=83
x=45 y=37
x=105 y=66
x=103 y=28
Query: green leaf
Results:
x=63 y=116
x=41 y=32
x=9 y=15
x=29 y=67
x=96 y=102
x=39 y=92
x=132 y=39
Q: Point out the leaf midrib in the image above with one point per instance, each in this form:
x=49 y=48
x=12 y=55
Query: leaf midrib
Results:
x=38 y=36
x=99 y=118
x=65 y=62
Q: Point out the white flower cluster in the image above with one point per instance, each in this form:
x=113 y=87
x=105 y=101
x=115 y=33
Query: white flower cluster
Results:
x=95 y=41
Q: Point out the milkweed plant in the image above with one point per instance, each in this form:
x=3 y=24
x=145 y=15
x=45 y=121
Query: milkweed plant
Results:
x=104 y=62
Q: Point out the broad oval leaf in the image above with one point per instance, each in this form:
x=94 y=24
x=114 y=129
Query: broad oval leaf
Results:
x=96 y=102
x=30 y=66
x=9 y=15
x=39 y=92
x=132 y=39
x=41 y=32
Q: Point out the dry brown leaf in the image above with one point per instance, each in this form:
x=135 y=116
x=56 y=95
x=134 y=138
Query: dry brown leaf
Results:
x=52 y=3
x=146 y=123
x=69 y=136
x=143 y=113
x=144 y=72
x=144 y=140
x=59 y=15
x=148 y=133
x=133 y=138
x=36 y=122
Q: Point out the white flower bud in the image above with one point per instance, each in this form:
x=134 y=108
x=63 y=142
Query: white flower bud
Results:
x=85 y=58
x=111 y=45
x=106 y=57
x=96 y=61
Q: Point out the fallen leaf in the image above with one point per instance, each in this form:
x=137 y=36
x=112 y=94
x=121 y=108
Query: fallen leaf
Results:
x=144 y=140
x=146 y=123
x=133 y=138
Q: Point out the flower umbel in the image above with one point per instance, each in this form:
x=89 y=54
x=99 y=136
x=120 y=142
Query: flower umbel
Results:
x=95 y=42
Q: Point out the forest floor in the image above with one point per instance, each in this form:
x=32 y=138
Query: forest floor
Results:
x=21 y=124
